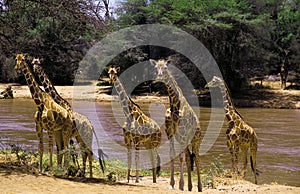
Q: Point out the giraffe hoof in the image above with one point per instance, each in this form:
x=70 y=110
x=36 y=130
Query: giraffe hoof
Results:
x=171 y=187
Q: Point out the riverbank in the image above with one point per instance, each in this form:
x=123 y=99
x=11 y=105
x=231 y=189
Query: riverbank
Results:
x=271 y=97
x=16 y=178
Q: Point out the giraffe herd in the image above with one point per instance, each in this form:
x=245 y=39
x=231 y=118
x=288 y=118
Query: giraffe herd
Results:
x=56 y=116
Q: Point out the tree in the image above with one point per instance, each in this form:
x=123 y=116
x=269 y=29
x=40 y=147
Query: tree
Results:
x=284 y=36
x=226 y=28
x=59 y=31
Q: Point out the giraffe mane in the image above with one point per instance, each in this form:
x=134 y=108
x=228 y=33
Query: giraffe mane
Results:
x=229 y=93
x=134 y=103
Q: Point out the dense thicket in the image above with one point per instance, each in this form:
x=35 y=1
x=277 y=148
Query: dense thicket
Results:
x=248 y=38
x=58 y=31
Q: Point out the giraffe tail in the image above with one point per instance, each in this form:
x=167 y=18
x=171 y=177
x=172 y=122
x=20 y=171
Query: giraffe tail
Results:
x=192 y=157
x=252 y=167
x=101 y=155
x=158 y=165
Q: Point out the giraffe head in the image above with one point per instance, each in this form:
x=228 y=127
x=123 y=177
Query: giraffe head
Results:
x=36 y=64
x=112 y=71
x=215 y=82
x=20 y=58
x=36 y=61
x=161 y=67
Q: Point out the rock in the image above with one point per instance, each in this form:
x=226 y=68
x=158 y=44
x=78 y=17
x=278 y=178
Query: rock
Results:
x=7 y=93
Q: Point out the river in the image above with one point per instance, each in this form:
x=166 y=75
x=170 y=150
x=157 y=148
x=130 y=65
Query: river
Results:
x=278 y=131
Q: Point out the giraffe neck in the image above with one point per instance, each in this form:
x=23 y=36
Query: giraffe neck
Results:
x=173 y=98
x=49 y=87
x=35 y=90
x=230 y=111
x=175 y=94
x=126 y=102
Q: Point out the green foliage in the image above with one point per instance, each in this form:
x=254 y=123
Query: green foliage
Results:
x=103 y=83
x=247 y=38
x=116 y=169
x=216 y=169
x=59 y=31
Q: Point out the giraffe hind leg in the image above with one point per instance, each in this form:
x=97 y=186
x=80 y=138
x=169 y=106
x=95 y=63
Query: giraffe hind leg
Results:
x=245 y=160
x=153 y=158
x=253 y=164
x=129 y=160
x=197 y=163
x=232 y=159
x=188 y=158
x=158 y=169
x=195 y=157
x=59 y=146
x=137 y=162
x=84 y=158
x=181 y=178
x=192 y=158
x=236 y=160
x=90 y=156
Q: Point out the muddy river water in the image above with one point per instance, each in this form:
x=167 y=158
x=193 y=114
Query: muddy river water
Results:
x=278 y=131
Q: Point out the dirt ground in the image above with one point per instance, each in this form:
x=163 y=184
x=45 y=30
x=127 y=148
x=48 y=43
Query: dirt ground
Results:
x=260 y=98
x=16 y=179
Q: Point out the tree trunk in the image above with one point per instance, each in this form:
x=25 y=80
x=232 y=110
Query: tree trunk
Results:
x=283 y=76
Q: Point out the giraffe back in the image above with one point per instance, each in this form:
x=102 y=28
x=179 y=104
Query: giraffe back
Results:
x=84 y=129
x=53 y=115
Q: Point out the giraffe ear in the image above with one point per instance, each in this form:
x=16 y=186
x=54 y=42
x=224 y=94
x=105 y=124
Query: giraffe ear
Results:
x=152 y=62
x=25 y=55
x=168 y=62
x=118 y=69
x=106 y=68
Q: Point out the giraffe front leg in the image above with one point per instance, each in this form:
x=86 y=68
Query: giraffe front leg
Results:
x=231 y=150
x=154 y=159
x=137 y=162
x=59 y=146
x=66 y=155
x=39 y=132
x=129 y=154
x=172 y=158
x=129 y=160
x=181 y=179
x=50 y=144
x=236 y=161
